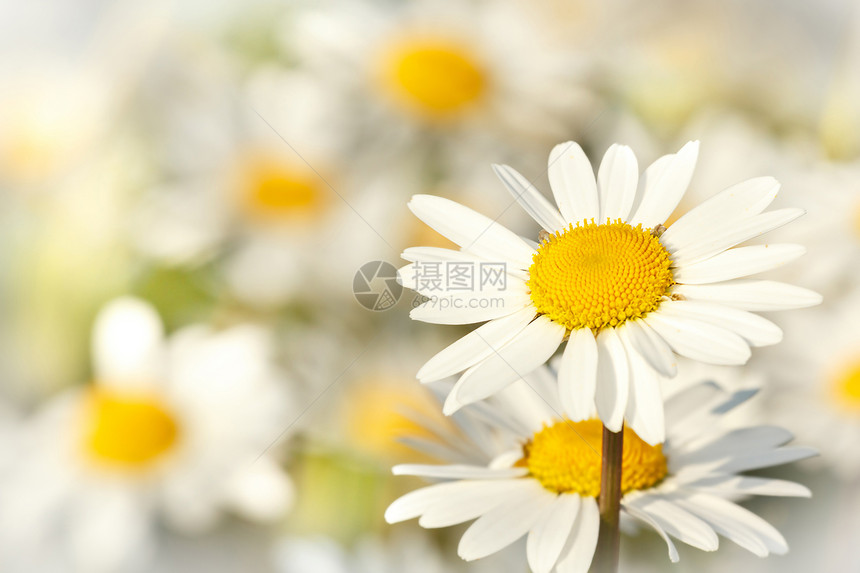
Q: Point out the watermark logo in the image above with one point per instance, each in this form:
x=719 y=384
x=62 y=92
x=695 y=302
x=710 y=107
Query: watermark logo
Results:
x=458 y=276
x=375 y=286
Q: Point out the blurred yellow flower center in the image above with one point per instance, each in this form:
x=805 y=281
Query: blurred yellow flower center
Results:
x=847 y=386
x=566 y=457
x=129 y=431
x=594 y=276
x=437 y=77
x=275 y=189
x=857 y=220
x=379 y=412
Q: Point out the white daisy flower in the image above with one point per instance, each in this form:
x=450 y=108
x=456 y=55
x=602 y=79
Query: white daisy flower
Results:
x=608 y=280
x=544 y=480
x=172 y=430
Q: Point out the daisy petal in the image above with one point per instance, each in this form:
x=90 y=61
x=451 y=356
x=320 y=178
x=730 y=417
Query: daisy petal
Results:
x=663 y=185
x=768 y=534
x=475 y=346
x=613 y=379
x=731 y=444
x=442 y=255
x=617 y=178
x=700 y=340
x=651 y=347
x=678 y=522
x=572 y=180
x=738 y=262
x=474 y=232
x=728 y=528
x=752 y=295
x=642 y=516
x=531 y=400
x=128 y=343
x=579 y=553
x=461 y=507
x=457 y=471
x=680 y=406
x=530 y=199
x=469 y=308
x=756 y=330
x=652 y=173
x=739 y=201
x=758 y=460
x=685 y=429
x=723 y=485
x=730 y=234
x=503 y=525
x=577 y=375
x=548 y=538
x=525 y=352
x=645 y=403
x=481 y=495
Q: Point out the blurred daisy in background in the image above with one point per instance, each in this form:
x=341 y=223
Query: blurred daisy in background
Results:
x=274 y=206
x=608 y=279
x=364 y=403
x=176 y=431
x=438 y=83
x=545 y=483
x=675 y=61
x=814 y=382
x=57 y=112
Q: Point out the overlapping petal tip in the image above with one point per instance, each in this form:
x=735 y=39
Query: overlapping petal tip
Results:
x=617 y=181
x=571 y=178
x=532 y=201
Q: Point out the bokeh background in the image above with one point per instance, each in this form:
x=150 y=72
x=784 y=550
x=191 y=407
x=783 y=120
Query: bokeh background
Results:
x=187 y=190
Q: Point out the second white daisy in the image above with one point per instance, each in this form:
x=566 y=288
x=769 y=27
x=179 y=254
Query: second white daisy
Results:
x=534 y=473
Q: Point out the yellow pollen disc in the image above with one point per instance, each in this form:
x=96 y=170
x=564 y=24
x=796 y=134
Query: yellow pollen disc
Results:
x=436 y=77
x=846 y=387
x=566 y=458
x=274 y=189
x=128 y=431
x=594 y=276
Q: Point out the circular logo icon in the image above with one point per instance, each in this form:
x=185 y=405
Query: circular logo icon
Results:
x=375 y=286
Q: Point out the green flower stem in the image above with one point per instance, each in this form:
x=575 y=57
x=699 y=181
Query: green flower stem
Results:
x=609 y=539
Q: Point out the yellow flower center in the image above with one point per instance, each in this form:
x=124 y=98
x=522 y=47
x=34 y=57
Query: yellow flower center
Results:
x=274 y=189
x=128 y=431
x=436 y=77
x=594 y=276
x=846 y=387
x=566 y=458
